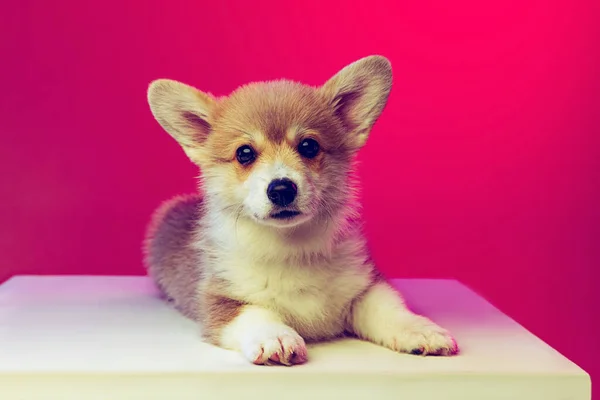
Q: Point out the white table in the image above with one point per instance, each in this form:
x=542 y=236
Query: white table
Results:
x=112 y=338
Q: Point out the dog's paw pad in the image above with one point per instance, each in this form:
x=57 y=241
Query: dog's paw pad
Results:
x=448 y=350
x=423 y=337
x=281 y=349
x=417 y=352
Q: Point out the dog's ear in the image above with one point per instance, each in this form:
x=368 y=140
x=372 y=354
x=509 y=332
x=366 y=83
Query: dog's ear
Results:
x=358 y=95
x=184 y=112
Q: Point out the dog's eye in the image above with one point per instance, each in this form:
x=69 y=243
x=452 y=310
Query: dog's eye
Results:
x=245 y=155
x=308 y=148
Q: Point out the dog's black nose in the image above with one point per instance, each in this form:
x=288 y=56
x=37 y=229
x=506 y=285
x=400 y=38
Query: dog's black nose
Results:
x=282 y=192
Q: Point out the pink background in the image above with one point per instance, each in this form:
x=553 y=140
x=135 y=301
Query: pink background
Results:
x=484 y=167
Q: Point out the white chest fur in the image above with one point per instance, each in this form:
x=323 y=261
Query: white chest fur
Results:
x=312 y=296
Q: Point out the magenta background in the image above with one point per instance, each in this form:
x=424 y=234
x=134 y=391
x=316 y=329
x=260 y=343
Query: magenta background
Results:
x=484 y=167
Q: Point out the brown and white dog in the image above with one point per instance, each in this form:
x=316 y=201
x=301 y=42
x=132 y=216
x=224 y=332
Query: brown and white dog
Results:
x=271 y=253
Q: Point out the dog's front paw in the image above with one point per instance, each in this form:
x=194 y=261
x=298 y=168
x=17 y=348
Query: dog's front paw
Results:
x=275 y=345
x=421 y=336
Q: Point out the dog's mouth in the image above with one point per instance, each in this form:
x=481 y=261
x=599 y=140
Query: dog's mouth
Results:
x=285 y=214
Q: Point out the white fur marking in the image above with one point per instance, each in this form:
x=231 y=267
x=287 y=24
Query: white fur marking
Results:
x=382 y=317
x=263 y=338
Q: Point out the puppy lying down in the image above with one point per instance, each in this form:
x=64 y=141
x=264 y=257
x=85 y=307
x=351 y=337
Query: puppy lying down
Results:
x=270 y=254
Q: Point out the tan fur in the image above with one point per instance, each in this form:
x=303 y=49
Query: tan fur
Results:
x=259 y=285
x=216 y=309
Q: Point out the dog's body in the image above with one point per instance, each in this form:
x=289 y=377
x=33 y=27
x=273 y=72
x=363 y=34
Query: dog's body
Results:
x=272 y=253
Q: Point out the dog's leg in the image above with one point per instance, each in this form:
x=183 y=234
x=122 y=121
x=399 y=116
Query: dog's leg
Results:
x=262 y=337
x=380 y=316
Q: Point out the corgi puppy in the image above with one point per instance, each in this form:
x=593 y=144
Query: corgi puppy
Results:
x=270 y=255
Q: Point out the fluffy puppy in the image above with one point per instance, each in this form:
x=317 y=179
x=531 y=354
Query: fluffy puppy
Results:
x=270 y=254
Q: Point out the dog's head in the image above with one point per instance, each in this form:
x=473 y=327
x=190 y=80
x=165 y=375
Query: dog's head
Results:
x=279 y=152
